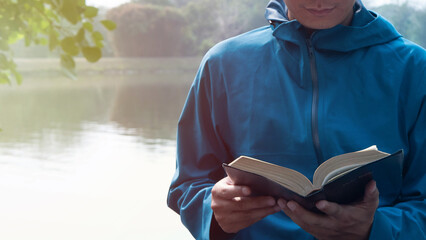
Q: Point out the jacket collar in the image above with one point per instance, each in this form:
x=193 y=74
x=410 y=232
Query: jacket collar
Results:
x=367 y=29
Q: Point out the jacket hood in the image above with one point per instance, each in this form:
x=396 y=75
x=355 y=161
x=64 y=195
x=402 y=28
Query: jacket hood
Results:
x=367 y=29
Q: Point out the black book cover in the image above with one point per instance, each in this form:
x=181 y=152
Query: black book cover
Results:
x=343 y=190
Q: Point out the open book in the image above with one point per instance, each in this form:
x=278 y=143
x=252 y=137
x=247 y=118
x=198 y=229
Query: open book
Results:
x=340 y=179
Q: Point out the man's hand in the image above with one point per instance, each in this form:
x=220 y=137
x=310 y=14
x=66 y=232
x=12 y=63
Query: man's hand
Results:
x=234 y=210
x=340 y=221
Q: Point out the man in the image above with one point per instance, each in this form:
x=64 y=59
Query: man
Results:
x=327 y=77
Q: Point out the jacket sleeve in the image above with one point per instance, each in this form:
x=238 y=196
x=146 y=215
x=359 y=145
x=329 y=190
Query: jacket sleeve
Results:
x=200 y=154
x=407 y=218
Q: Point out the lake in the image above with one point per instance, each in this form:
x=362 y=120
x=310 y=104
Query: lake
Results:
x=91 y=158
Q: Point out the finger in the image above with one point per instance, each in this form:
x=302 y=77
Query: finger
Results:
x=257 y=214
x=282 y=203
x=371 y=194
x=223 y=189
x=329 y=208
x=300 y=215
x=243 y=219
x=249 y=203
x=315 y=224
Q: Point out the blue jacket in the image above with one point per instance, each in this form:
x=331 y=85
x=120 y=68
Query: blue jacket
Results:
x=280 y=96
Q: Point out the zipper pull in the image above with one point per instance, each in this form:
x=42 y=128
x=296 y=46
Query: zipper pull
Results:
x=310 y=47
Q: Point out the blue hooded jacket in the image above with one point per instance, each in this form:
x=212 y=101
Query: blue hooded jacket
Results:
x=294 y=100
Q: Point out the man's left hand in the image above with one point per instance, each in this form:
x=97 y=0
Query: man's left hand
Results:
x=339 y=221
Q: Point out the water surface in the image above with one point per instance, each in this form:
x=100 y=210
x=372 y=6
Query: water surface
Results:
x=93 y=158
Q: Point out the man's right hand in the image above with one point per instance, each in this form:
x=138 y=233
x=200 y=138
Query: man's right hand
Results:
x=233 y=208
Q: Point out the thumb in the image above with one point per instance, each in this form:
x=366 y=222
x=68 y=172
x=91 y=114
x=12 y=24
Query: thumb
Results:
x=371 y=194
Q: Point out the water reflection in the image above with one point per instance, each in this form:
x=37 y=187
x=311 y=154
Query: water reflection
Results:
x=93 y=158
x=136 y=106
x=151 y=111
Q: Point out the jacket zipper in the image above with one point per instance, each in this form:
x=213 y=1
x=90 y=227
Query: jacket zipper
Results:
x=315 y=100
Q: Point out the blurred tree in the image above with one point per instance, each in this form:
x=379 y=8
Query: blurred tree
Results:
x=213 y=21
x=181 y=3
x=63 y=25
x=421 y=22
x=191 y=27
x=203 y=29
x=148 y=30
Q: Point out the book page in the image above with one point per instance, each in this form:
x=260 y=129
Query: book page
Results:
x=286 y=177
x=339 y=172
x=345 y=163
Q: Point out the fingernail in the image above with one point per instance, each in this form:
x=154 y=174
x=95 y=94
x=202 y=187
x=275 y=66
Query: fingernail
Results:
x=246 y=191
x=320 y=204
x=281 y=203
x=373 y=189
x=271 y=202
x=292 y=206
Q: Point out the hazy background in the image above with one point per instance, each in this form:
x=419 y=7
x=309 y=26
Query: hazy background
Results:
x=164 y=28
x=93 y=158
x=368 y=3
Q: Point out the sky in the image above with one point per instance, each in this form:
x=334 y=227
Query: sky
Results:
x=106 y=3
x=369 y=3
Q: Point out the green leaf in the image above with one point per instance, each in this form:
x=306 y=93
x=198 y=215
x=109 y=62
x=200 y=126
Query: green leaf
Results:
x=69 y=11
x=15 y=36
x=53 y=40
x=97 y=36
x=4 y=79
x=81 y=2
x=28 y=39
x=42 y=41
x=98 y=39
x=69 y=46
x=44 y=24
x=80 y=35
x=88 y=26
x=11 y=64
x=108 y=24
x=68 y=66
x=3 y=45
x=90 y=12
x=38 y=5
x=99 y=44
x=4 y=64
x=92 y=54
